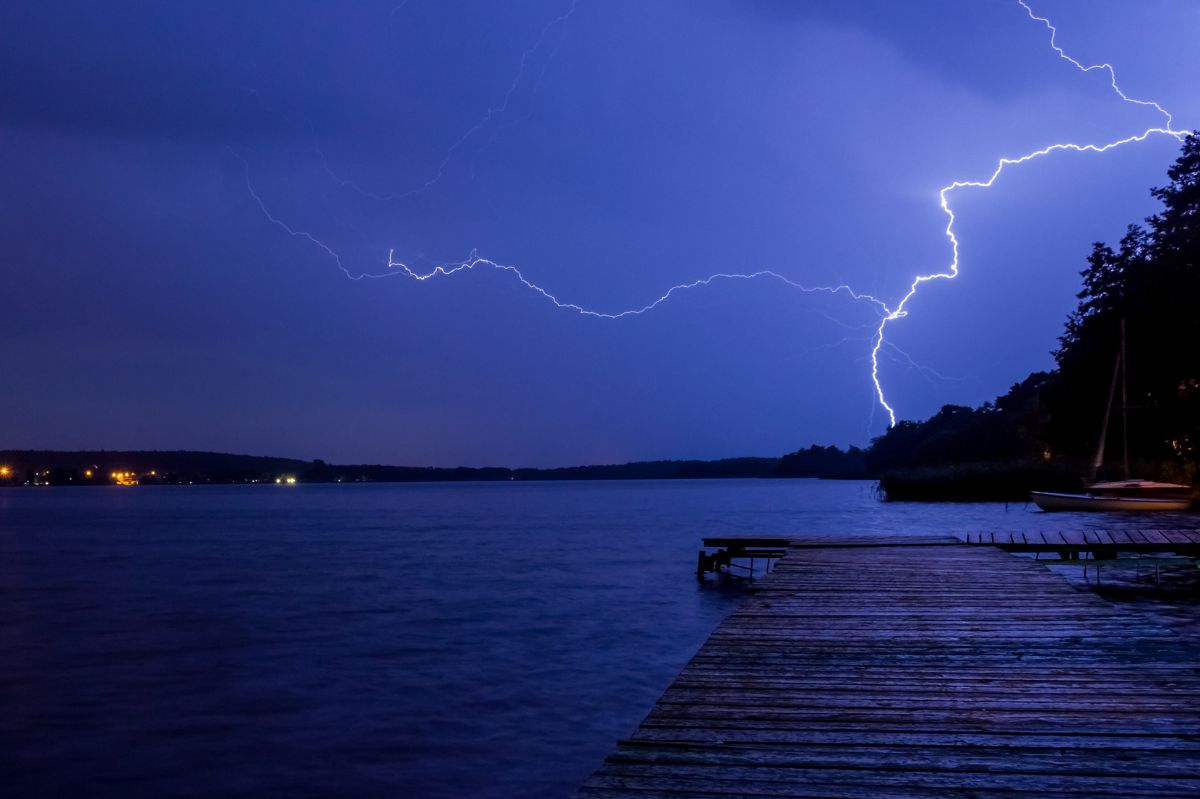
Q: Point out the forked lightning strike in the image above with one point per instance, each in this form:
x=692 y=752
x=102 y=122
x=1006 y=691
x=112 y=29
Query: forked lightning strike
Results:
x=943 y=195
x=887 y=314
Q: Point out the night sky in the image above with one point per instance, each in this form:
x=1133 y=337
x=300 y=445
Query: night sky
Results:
x=609 y=151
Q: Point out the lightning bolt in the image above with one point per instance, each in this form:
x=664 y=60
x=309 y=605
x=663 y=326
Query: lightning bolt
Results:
x=951 y=272
x=887 y=314
x=474 y=261
x=1112 y=74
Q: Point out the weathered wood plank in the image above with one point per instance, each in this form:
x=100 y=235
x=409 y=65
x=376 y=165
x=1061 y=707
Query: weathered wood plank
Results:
x=853 y=783
x=1155 y=537
x=1125 y=763
x=743 y=732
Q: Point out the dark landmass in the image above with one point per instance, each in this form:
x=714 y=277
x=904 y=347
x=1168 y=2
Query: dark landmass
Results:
x=979 y=482
x=50 y=467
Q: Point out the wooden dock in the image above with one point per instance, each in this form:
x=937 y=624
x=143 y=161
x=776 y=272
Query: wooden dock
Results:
x=1180 y=542
x=915 y=668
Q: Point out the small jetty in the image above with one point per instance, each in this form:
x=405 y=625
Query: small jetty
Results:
x=925 y=667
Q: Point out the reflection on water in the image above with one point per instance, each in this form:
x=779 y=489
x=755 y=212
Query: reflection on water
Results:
x=488 y=639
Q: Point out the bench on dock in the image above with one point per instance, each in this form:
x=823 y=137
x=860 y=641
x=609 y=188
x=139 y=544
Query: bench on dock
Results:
x=730 y=549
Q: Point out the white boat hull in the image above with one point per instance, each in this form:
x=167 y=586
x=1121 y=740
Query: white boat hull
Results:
x=1050 y=501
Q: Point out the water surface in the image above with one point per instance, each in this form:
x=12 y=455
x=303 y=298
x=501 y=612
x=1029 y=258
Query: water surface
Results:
x=470 y=639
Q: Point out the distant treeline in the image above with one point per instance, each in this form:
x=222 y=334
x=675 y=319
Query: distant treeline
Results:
x=49 y=467
x=1042 y=433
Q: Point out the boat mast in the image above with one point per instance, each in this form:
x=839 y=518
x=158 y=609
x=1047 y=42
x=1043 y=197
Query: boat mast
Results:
x=1112 y=391
x=1124 y=403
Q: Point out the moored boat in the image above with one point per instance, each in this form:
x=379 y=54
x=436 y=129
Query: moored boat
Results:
x=1143 y=489
x=1051 y=501
x=1118 y=495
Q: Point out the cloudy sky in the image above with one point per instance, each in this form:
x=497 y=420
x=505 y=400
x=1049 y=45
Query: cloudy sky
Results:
x=608 y=149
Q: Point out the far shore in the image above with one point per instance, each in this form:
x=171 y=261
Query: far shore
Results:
x=150 y=467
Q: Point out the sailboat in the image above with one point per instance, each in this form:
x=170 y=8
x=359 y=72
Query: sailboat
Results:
x=1052 y=501
x=1118 y=495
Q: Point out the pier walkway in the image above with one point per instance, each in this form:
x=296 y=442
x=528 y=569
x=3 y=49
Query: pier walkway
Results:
x=918 y=668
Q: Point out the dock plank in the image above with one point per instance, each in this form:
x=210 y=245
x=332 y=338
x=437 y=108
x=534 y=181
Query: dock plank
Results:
x=927 y=667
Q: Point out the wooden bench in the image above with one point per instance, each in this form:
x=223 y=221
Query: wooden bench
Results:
x=738 y=548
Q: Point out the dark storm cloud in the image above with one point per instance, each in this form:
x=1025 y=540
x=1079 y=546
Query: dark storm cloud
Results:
x=230 y=71
x=146 y=300
x=92 y=71
x=993 y=48
x=222 y=72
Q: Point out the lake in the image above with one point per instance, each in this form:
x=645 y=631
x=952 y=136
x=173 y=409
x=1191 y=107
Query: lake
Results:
x=418 y=640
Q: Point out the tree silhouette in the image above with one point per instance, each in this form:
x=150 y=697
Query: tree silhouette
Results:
x=1151 y=282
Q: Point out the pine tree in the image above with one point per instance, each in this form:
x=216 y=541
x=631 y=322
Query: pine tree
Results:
x=1152 y=282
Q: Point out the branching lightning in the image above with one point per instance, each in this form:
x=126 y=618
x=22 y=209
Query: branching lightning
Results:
x=1112 y=74
x=951 y=272
x=475 y=261
x=887 y=313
